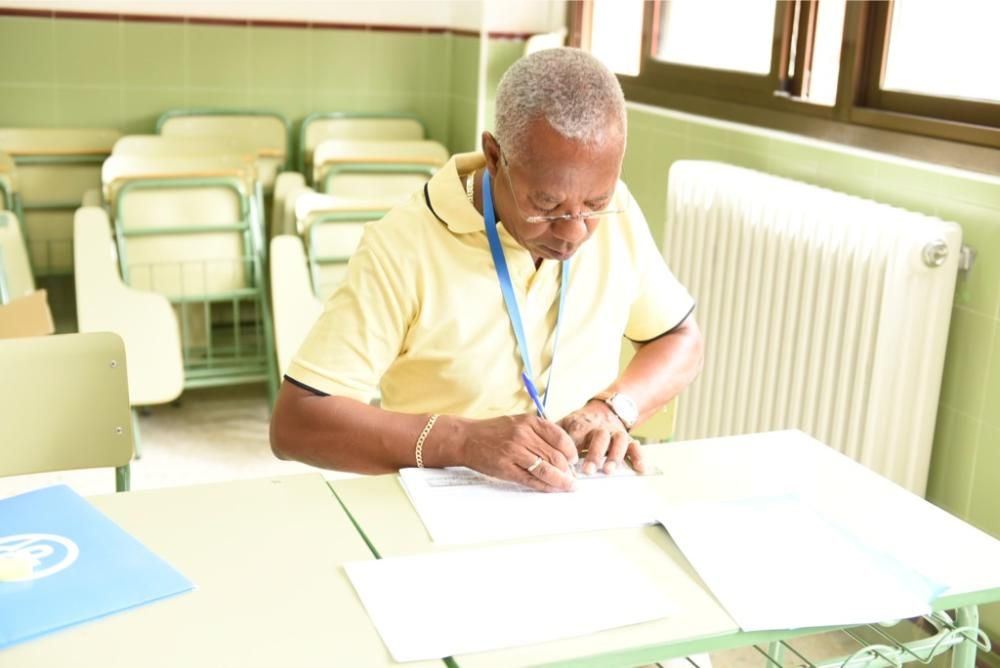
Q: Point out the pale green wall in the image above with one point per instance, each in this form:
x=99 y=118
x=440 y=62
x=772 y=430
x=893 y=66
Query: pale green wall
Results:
x=965 y=470
x=123 y=74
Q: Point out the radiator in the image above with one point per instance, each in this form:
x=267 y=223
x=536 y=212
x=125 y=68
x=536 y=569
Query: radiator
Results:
x=820 y=311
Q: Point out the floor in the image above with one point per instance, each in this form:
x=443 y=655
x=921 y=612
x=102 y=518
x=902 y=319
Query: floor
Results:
x=221 y=434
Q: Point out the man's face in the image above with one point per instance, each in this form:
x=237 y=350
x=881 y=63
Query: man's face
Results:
x=554 y=177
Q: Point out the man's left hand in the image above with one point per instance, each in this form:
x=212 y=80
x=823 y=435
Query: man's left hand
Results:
x=596 y=430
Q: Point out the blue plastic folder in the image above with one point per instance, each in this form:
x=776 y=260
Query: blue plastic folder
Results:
x=82 y=565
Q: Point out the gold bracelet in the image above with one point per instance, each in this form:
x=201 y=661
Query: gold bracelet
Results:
x=422 y=438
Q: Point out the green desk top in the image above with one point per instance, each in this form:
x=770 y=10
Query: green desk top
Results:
x=265 y=557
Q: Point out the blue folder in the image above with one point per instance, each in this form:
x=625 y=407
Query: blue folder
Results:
x=84 y=565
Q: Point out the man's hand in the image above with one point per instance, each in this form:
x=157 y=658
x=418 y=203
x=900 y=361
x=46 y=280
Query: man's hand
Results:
x=596 y=430
x=506 y=447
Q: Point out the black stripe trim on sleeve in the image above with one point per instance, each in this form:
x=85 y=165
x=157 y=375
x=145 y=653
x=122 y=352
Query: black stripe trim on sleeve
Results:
x=305 y=387
x=660 y=336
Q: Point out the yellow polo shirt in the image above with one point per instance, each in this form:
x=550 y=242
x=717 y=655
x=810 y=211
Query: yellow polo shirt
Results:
x=420 y=314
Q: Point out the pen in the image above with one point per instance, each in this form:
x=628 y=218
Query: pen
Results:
x=539 y=408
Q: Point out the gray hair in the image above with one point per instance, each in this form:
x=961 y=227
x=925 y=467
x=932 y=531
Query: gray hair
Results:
x=579 y=97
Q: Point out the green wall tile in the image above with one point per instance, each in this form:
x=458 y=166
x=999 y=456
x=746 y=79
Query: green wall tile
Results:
x=27 y=106
x=969 y=340
x=88 y=52
x=984 y=503
x=218 y=57
x=237 y=98
x=153 y=54
x=463 y=125
x=991 y=397
x=952 y=461
x=434 y=110
x=27 y=50
x=141 y=107
x=437 y=79
x=397 y=63
x=339 y=100
x=279 y=57
x=464 y=66
x=978 y=289
x=89 y=107
x=292 y=103
x=336 y=60
x=907 y=187
x=974 y=189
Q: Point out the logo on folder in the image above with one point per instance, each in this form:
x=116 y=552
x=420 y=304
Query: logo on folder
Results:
x=47 y=553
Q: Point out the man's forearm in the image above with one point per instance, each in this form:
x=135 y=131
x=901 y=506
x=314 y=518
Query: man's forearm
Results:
x=662 y=368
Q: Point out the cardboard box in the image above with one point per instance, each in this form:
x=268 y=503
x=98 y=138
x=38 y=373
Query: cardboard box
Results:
x=26 y=316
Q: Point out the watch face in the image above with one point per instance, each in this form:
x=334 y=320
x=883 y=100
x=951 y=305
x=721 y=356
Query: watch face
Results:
x=625 y=408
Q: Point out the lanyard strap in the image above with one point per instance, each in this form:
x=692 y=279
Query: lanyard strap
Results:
x=507 y=288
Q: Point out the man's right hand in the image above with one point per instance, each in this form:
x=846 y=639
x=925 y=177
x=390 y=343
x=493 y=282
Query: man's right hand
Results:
x=506 y=447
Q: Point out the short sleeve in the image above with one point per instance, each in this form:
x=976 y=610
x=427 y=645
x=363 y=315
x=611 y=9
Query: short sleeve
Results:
x=362 y=329
x=661 y=303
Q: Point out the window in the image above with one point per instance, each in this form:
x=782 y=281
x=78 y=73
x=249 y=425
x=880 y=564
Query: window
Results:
x=919 y=68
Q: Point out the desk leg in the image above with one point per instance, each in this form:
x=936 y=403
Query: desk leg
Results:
x=964 y=654
x=776 y=654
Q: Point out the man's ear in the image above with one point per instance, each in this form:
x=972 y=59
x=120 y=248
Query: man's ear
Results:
x=491 y=149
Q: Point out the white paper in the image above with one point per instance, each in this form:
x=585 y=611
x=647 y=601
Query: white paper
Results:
x=777 y=563
x=458 y=505
x=448 y=603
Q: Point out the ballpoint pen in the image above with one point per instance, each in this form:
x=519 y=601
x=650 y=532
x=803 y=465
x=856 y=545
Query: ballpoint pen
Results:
x=539 y=408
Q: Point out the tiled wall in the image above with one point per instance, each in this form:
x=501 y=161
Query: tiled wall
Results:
x=124 y=73
x=965 y=470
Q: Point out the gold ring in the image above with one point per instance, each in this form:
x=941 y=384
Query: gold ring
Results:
x=535 y=464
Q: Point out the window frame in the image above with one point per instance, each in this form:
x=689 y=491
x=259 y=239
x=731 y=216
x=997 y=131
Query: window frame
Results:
x=961 y=132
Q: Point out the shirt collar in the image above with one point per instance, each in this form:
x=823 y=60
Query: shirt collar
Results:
x=446 y=196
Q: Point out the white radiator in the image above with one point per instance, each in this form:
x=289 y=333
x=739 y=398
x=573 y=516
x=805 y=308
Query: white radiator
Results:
x=820 y=311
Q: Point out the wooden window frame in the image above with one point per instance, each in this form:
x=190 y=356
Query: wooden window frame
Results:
x=957 y=132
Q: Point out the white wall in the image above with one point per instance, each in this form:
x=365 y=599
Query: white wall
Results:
x=518 y=16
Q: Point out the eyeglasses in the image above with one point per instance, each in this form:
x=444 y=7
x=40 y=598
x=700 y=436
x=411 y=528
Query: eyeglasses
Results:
x=556 y=218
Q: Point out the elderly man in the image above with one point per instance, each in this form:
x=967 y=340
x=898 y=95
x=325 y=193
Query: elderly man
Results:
x=490 y=309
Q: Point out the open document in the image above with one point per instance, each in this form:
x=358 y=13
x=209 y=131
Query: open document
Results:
x=458 y=505
x=436 y=605
x=779 y=563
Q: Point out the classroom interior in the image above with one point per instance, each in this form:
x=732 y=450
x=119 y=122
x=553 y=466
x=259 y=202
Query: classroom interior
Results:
x=919 y=144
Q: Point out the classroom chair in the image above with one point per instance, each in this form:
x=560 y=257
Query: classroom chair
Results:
x=287 y=187
x=10 y=199
x=323 y=125
x=295 y=305
x=55 y=167
x=145 y=321
x=16 y=279
x=64 y=405
x=331 y=228
x=264 y=132
x=189 y=229
x=383 y=170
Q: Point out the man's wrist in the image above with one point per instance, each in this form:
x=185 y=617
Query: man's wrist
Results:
x=444 y=444
x=622 y=406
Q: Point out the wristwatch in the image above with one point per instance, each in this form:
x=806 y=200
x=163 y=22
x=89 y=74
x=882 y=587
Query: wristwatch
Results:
x=621 y=405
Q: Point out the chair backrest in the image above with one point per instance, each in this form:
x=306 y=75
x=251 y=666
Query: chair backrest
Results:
x=144 y=320
x=15 y=271
x=55 y=167
x=265 y=131
x=320 y=126
x=64 y=404
x=182 y=146
x=288 y=186
x=331 y=228
x=8 y=182
x=383 y=170
x=296 y=308
x=184 y=226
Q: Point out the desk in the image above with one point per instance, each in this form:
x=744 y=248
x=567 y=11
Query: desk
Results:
x=265 y=557
x=705 y=470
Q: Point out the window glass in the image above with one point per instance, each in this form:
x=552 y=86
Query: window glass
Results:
x=945 y=49
x=719 y=35
x=616 y=37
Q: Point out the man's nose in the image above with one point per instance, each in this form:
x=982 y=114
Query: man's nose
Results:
x=572 y=230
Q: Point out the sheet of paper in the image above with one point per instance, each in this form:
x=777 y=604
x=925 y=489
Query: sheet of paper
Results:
x=777 y=563
x=458 y=505
x=436 y=605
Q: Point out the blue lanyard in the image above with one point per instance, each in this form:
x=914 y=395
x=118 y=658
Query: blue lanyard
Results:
x=510 y=299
